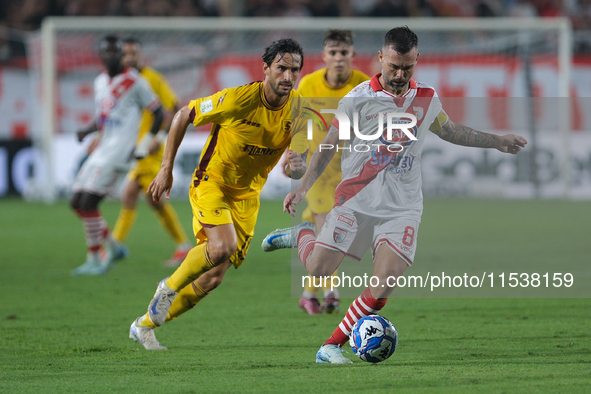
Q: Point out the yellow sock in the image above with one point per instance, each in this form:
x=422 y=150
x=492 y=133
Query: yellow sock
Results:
x=328 y=282
x=196 y=263
x=170 y=221
x=145 y=322
x=309 y=285
x=186 y=299
x=124 y=223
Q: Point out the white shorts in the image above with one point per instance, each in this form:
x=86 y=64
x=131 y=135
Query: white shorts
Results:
x=98 y=179
x=354 y=233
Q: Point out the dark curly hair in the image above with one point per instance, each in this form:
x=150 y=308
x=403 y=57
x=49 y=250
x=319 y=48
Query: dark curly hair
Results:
x=281 y=47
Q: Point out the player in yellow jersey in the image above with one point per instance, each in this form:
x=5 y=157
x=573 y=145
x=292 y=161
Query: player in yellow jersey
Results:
x=147 y=166
x=326 y=87
x=251 y=128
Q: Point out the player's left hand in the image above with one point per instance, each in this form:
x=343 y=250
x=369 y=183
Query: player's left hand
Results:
x=511 y=143
x=161 y=184
x=293 y=199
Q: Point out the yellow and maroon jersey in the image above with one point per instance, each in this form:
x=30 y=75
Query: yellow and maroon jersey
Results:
x=322 y=95
x=165 y=94
x=247 y=138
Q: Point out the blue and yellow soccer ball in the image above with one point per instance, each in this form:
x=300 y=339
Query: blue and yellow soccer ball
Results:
x=373 y=338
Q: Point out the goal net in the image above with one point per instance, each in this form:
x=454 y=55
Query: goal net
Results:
x=484 y=70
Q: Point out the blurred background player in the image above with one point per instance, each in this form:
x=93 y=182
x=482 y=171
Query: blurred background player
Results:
x=326 y=87
x=251 y=128
x=148 y=164
x=120 y=95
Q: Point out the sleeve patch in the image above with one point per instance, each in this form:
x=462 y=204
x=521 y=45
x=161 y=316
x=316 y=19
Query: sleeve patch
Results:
x=206 y=106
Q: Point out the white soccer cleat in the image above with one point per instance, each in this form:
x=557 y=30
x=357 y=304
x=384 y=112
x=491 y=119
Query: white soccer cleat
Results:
x=115 y=252
x=91 y=267
x=284 y=238
x=331 y=354
x=145 y=336
x=161 y=302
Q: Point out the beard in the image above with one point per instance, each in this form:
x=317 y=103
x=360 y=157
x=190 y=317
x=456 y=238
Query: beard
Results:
x=279 y=91
x=392 y=83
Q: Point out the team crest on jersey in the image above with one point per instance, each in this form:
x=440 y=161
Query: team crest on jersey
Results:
x=108 y=103
x=419 y=112
x=286 y=126
x=339 y=234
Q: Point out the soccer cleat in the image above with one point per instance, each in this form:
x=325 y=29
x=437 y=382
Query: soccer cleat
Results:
x=145 y=336
x=161 y=302
x=178 y=257
x=330 y=303
x=90 y=267
x=331 y=354
x=283 y=238
x=116 y=252
x=310 y=305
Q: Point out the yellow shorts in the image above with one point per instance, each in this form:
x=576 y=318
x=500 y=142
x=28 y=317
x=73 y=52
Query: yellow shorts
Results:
x=320 y=198
x=211 y=207
x=145 y=170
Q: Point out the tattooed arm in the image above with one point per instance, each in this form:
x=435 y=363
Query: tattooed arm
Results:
x=459 y=134
x=318 y=163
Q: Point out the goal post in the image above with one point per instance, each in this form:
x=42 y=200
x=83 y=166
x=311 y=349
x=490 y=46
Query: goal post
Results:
x=190 y=48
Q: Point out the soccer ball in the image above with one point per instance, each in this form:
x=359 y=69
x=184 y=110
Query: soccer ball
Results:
x=373 y=338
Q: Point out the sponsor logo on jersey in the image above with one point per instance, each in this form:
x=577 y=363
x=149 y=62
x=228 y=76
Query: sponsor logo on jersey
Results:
x=348 y=221
x=399 y=136
x=206 y=106
x=216 y=212
x=249 y=123
x=403 y=248
x=339 y=234
x=254 y=150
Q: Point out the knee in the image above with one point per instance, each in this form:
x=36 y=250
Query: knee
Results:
x=75 y=202
x=222 y=250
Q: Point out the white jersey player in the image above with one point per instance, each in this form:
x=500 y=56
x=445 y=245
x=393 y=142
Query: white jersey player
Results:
x=379 y=201
x=120 y=95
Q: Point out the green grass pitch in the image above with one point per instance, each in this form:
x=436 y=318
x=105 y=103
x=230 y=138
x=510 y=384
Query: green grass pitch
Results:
x=65 y=334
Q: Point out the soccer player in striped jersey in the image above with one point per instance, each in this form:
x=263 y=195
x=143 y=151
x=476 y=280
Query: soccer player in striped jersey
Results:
x=326 y=87
x=120 y=95
x=148 y=164
x=379 y=201
x=250 y=129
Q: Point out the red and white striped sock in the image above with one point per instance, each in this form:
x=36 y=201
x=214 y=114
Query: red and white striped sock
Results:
x=105 y=233
x=93 y=230
x=306 y=240
x=364 y=305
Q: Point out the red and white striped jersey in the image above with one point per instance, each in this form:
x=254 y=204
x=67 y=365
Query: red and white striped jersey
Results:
x=382 y=177
x=119 y=102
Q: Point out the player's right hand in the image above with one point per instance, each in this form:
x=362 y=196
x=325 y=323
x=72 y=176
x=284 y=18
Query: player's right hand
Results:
x=291 y=200
x=161 y=184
